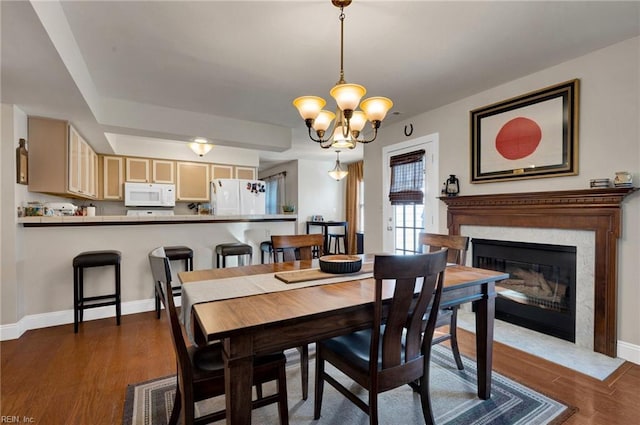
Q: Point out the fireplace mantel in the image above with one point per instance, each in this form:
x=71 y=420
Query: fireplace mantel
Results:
x=597 y=210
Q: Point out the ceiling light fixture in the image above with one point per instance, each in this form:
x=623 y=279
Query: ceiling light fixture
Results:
x=338 y=173
x=200 y=146
x=349 y=122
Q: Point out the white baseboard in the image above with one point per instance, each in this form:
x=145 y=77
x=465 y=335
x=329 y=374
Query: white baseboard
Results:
x=56 y=318
x=629 y=352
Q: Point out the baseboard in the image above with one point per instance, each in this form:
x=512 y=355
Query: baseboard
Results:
x=629 y=352
x=56 y=318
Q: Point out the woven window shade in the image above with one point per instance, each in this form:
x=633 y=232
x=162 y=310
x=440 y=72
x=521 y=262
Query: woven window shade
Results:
x=407 y=178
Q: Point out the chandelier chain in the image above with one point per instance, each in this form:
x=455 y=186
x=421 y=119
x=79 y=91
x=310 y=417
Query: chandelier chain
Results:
x=341 y=17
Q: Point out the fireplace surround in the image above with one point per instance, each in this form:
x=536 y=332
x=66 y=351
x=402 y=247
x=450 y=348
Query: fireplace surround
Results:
x=597 y=210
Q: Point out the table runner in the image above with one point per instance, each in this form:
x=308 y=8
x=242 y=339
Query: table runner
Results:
x=242 y=286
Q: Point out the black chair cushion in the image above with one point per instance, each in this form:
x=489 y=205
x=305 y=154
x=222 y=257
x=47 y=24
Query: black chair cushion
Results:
x=97 y=258
x=178 y=252
x=233 y=249
x=354 y=348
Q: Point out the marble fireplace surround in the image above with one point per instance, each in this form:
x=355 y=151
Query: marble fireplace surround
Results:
x=597 y=211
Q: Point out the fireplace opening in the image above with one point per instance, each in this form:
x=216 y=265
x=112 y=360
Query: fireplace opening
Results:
x=540 y=293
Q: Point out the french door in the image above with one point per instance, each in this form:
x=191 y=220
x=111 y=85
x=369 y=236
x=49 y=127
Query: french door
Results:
x=403 y=223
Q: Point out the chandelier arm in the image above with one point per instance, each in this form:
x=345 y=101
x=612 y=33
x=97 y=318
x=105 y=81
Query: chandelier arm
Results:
x=326 y=146
x=375 y=124
x=320 y=140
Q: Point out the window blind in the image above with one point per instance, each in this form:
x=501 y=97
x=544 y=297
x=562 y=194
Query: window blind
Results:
x=407 y=178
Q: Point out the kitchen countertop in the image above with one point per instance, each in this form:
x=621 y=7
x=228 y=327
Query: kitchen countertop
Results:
x=119 y=220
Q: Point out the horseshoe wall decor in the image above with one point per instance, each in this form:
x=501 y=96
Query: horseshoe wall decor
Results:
x=408 y=132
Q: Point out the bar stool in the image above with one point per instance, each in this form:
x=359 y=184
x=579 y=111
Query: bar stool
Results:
x=225 y=250
x=80 y=302
x=175 y=253
x=335 y=239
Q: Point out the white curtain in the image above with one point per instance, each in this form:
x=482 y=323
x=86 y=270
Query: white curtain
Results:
x=275 y=193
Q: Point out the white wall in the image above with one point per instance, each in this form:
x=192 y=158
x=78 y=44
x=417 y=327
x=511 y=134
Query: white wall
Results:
x=609 y=141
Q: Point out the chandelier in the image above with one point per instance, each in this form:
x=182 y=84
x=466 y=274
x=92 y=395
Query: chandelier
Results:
x=338 y=173
x=200 y=146
x=349 y=121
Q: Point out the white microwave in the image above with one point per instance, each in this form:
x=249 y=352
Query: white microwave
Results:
x=149 y=195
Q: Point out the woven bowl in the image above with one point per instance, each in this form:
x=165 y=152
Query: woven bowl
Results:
x=339 y=264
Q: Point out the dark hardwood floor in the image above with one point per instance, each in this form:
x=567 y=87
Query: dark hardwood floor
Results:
x=57 y=377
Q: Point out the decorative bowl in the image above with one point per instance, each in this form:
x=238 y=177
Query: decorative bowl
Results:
x=339 y=264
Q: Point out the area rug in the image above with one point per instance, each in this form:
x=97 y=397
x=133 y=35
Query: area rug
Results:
x=453 y=396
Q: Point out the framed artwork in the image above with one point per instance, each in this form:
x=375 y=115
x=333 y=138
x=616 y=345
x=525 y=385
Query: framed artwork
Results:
x=530 y=136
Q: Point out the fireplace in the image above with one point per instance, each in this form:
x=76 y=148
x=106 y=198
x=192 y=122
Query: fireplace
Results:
x=592 y=210
x=540 y=293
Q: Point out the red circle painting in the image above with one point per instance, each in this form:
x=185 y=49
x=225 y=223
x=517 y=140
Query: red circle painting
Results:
x=518 y=138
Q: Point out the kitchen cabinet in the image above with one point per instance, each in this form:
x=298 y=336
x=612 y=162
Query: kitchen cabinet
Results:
x=219 y=171
x=163 y=171
x=61 y=162
x=112 y=178
x=192 y=181
x=137 y=170
x=246 y=173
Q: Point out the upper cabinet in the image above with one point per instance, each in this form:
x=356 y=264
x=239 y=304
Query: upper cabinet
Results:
x=245 y=173
x=61 y=162
x=192 y=181
x=219 y=171
x=112 y=178
x=163 y=171
x=138 y=170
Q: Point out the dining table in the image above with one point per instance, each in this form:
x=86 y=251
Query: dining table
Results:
x=265 y=308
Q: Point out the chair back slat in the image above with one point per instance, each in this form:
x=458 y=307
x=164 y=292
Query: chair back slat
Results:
x=457 y=245
x=304 y=244
x=403 y=340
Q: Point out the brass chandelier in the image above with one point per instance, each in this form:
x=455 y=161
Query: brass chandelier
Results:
x=349 y=122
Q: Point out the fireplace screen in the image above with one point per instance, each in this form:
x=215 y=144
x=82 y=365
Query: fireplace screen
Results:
x=540 y=291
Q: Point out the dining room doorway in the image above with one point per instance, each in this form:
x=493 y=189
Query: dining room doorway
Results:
x=405 y=219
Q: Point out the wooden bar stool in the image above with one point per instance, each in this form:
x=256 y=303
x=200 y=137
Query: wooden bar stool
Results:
x=80 y=302
x=225 y=250
x=175 y=253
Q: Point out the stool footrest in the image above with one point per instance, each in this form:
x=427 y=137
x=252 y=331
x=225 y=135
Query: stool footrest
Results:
x=94 y=305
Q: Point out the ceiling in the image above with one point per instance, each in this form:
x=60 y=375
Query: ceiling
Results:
x=228 y=70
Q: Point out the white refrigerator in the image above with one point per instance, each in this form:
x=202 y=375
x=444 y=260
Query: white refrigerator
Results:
x=238 y=197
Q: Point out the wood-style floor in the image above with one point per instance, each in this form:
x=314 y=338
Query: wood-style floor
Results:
x=56 y=377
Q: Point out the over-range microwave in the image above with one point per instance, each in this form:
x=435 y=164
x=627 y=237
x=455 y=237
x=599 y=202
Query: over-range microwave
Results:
x=149 y=195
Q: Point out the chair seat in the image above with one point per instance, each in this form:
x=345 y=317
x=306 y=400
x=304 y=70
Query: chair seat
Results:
x=97 y=258
x=178 y=252
x=235 y=248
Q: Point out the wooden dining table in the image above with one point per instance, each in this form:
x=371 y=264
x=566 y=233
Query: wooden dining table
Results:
x=274 y=321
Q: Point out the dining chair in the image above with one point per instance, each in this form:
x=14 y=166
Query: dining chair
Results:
x=201 y=369
x=457 y=248
x=305 y=246
x=394 y=351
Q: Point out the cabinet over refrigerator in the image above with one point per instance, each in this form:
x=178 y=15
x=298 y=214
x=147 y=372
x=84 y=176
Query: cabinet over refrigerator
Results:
x=238 y=197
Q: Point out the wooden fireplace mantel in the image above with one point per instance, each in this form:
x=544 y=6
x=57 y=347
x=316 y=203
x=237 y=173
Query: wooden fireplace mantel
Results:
x=597 y=210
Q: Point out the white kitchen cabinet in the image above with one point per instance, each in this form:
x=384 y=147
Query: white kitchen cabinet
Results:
x=192 y=181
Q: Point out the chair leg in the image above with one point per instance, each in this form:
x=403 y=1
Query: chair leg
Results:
x=425 y=399
x=304 y=370
x=259 y=391
x=453 y=331
x=157 y=296
x=317 y=406
x=118 y=297
x=373 y=407
x=76 y=297
x=175 y=412
x=283 y=406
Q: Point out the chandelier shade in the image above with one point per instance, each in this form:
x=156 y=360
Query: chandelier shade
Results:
x=349 y=122
x=338 y=173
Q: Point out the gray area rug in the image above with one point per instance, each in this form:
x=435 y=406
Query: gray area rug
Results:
x=453 y=395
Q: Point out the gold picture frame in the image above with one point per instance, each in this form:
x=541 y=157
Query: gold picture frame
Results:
x=530 y=136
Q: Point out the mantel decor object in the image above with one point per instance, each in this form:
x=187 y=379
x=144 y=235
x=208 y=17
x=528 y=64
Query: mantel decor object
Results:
x=451 y=186
x=530 y=136
x=22 y=163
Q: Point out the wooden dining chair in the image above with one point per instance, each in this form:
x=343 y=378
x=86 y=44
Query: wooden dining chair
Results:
x=457 y=247
x=395 y=351
x=304 y=246
x=201 y=369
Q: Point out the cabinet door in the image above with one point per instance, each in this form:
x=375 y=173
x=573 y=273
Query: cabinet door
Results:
x=137 y=170
x=192 y=181
x=112 y=177
x=75 y=163
x=219 y=171
x=246 y=173
x=163 y=171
